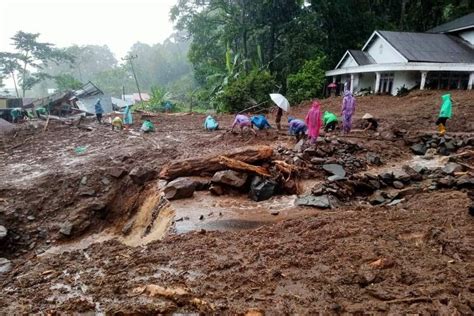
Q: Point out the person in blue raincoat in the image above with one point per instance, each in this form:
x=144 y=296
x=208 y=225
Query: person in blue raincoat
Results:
x=127 y=116
x=98 y=111
x=297 y=128
x=211 y=124
x=260 y=122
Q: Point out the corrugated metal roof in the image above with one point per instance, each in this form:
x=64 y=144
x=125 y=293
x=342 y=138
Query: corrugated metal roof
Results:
x=361 y=58
x=428 y=47
x=461 y=23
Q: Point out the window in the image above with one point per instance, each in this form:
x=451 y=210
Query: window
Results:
x=386 y=83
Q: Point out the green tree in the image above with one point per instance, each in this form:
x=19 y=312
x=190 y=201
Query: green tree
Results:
x=32 y=55
x=308 y=82
x=9 y=65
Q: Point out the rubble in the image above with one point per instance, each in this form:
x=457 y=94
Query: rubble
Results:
x=5 y=265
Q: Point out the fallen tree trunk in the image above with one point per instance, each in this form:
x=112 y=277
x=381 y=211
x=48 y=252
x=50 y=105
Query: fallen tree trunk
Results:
x=238 y=165
x=212 y=163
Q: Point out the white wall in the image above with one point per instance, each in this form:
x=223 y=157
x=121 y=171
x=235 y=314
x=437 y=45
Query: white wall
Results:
x=407 y=78
x=382 y=52
x=349 y=62
x=468 y=36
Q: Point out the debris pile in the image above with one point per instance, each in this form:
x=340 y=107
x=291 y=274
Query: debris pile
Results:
x=386 y=188
x=443 y=145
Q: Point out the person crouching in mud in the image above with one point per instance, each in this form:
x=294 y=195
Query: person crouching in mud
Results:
x=297 y=128
x=244 y=123
x=370 y=123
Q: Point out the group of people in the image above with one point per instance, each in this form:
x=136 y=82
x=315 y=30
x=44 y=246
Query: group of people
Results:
x=299 y=128
x=310 y=126
x=127 y=121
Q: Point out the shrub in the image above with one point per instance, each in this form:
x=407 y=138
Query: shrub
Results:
x=308 y=82
x=245 y=91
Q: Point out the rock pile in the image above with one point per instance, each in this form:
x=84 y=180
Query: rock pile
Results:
x=443 y=145
x=388 y=187
x=349 y=155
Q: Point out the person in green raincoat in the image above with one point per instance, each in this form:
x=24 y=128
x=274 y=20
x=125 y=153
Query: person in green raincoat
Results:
x=147 y=127
x=127 y=116
x=445 y=113
x=16 y=114
x=330 y=121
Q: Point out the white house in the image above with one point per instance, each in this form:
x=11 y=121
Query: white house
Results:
x=442 y=58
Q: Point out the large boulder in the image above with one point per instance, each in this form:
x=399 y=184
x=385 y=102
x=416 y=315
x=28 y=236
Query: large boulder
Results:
x=321 y=201
x=231 y=178
x=335 y=169
x=180 y=188
x=419 y=149
x=141 y=174
x=262 y=189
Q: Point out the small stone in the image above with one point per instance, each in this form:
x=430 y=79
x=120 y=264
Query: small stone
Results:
x=66 y=228
x=377 y=198
x=398 y=185
x=446 y=182
x=299 y=146
x=117 y=172
x=5 y=265
x=275 y=213
x=105 y=181
x=314 y=201
x=201 y=217
x=90 y=192
x=395 y=202
x=451 y=168
x=30 y=218
x=373 y=159
x=3 y=232
x=335 y=178
x=318 y=161
x=216 y=189
x=84 y=180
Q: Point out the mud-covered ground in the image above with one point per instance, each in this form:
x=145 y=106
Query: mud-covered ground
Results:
x=415 y=257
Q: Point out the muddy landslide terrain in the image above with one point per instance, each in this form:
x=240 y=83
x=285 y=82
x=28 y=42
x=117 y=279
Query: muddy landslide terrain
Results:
x=85 y=227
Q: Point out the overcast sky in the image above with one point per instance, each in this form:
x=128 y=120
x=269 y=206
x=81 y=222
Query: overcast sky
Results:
x=116 y=23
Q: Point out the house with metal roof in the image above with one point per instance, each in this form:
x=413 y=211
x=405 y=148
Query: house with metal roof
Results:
x=441 y=58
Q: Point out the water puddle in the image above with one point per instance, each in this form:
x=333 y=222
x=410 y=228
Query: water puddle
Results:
x=231 y=213
x=426 y=162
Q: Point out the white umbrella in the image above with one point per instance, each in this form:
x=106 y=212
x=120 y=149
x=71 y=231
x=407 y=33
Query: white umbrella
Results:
x=280 y=101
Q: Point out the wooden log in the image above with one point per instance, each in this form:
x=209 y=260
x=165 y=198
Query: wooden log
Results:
x=243 y=166
x=211 y=163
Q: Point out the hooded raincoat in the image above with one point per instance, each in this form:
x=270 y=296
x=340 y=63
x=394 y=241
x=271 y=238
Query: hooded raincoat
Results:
x=313 y=121
x=127 y=116
x=348 y=109
x=210 y=123
x=446 y=106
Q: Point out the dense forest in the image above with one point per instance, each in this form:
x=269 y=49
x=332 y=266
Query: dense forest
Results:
x=229 y=54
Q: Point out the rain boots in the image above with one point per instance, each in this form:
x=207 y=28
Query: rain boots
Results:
x=441 y=129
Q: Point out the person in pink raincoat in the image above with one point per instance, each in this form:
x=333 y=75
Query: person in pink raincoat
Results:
x=348 y=109
x=313 y=121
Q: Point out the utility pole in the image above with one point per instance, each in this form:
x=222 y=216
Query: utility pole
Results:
x=130 y=58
